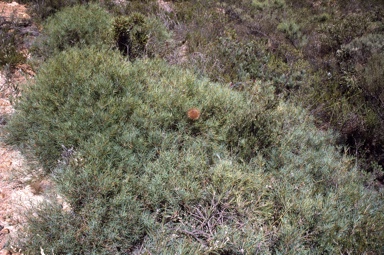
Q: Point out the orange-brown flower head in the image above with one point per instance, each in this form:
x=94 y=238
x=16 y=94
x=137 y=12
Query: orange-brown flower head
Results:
x=193 y=114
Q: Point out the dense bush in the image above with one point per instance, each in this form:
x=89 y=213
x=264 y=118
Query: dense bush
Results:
x=79 y=25
x=137 y=36
x=351 y=99
x=131 y=35
x=246 y=172
x=249 y=174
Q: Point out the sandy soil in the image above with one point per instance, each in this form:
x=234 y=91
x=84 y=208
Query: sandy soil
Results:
x=20 y=187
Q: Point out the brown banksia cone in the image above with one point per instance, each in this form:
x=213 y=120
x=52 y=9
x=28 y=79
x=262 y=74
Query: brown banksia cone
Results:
x=193 y=114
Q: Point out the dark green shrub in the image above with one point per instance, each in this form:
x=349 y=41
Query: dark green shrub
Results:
x=276 y=4
x=80 y=25
x=230 y=60
x=359 y=50
x=131 y=35
x=138 y=36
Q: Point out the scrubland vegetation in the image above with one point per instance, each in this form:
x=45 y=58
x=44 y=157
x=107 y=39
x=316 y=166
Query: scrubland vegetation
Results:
x=284 y=151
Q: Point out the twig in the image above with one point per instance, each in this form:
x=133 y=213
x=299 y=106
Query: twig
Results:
x=194 y=234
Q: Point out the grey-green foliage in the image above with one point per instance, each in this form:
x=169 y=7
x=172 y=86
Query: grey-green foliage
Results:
x=79 y=25
x=158 y=38
x=251 y=175
x=318 y=190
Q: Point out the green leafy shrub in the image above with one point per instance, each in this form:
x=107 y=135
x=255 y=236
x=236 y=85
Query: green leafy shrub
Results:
x=249 y=174
x=83 y=82
x=79 y=25
x=359 y=50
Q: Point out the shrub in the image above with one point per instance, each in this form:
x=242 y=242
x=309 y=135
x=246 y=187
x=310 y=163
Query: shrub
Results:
x=80 y=25
x=159 y=38
x=131 y=35
x=292 y=33
x=352 y=97
x=251 y=174
x=342 y=30
x=240 y=61
x=373 y=79
x=137 y=36
x=82 y=83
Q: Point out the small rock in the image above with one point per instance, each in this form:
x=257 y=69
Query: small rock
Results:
x=4 y=231
x=5 y=252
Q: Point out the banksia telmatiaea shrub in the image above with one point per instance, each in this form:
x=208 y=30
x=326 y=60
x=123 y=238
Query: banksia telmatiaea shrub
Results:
x=256 y=176
x=76 y=26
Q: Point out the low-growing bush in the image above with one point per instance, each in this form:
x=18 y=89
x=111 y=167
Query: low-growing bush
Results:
x=79 y=25
x=246 y=173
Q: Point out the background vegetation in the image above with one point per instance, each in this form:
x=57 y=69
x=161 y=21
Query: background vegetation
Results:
x=260 y=171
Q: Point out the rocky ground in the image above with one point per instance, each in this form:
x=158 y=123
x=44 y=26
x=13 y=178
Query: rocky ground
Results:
x=20 y=187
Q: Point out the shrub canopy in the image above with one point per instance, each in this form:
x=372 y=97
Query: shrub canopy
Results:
x=251 y=175
x=79 y=25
